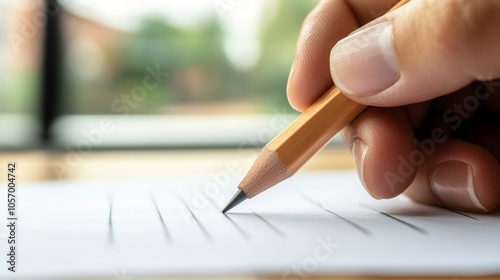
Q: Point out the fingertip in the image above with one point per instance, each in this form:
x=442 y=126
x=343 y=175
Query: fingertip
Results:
x=467 y=180
x=310 y=76
x=381 y=141
x=453 y=183
x=297 y=100
x=290 y=90
x=359 y=151
x=458 y=175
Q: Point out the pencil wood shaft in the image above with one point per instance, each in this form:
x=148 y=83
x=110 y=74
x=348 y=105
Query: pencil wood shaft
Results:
x=303 y=138
x=314 y=128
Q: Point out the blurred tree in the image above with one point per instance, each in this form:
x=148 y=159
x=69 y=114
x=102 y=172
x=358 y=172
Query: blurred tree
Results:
x=199 y=71
x=279 y=39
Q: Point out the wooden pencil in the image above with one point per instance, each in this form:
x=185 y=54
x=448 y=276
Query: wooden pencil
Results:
x=295 y=145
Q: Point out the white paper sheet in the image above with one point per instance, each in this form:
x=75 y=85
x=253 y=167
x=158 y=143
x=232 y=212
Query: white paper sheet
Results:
x=313 y=223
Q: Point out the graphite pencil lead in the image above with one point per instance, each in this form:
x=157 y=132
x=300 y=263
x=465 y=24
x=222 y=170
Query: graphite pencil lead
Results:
x=239 y=197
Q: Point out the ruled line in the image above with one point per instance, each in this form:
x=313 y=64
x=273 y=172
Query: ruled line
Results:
x=410 y=225
x=111 y=235
x=362 y=229
x=238 y=228
x=166 y=232
x=207 y=235
x=271 y=226
x=460 y=213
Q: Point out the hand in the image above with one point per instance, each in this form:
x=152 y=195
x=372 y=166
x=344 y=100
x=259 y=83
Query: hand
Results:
x=428 y=69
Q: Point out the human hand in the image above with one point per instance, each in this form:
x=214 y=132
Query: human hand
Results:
x=428 y=69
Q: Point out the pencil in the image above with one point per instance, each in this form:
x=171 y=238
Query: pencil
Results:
x=298 y=142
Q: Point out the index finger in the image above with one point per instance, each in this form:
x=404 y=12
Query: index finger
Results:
x=328 y=23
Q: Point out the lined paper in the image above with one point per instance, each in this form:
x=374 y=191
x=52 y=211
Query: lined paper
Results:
x=313 y=223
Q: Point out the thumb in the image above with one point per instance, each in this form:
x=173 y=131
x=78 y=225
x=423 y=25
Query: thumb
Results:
x=420 y=51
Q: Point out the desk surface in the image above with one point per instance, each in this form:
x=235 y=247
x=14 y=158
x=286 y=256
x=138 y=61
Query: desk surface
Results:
x=42 y=165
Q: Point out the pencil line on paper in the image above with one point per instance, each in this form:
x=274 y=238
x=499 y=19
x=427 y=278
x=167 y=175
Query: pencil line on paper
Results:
x=202 y=228
x=410 y=225
x=362 y=229
x=355 y=225
x=463 y=214
x=207 y=235
x=312 y=201
x=419 y=229
x=238 y=228
x=166 y=232
x=271 y=226
x=111 y=236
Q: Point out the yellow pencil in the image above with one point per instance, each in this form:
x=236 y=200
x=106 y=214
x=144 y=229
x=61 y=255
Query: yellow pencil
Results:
x=295 y=145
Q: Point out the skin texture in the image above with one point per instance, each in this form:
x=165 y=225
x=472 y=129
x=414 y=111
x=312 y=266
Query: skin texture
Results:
x=449 y=58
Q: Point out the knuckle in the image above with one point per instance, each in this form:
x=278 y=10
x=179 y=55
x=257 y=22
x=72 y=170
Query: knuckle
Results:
x=460 y=23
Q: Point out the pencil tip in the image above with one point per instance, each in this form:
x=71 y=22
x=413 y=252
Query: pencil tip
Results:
x=239 y=197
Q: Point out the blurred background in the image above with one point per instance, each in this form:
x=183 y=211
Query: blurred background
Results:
x=84 y=78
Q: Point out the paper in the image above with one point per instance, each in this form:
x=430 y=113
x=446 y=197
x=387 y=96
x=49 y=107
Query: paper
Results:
x=313 y=223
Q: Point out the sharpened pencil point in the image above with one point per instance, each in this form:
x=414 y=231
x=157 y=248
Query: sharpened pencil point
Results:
x=239 y=197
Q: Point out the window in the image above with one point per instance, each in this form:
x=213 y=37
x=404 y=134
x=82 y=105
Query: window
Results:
x=19 y=82
x=151 y=73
